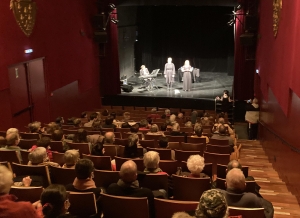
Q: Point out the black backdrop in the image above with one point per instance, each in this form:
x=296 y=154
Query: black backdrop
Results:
x=199 y=34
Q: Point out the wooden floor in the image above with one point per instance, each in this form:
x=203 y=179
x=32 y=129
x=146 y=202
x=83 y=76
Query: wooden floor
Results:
x=273 y=188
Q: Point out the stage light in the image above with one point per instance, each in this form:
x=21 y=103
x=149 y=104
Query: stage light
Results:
x=28 y=51
x=112 y=6
x=231 y=22
x=113 y=20
x=239 y=7
x=257 y=71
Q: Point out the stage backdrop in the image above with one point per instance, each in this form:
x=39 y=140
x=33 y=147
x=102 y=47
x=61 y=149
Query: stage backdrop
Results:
x=199 y=34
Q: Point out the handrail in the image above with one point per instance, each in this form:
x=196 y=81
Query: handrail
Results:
x=280 y=138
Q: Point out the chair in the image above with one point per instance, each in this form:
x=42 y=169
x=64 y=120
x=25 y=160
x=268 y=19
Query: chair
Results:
x=193 y=147
x=218 y=142
x=70 y=131
x=31 y=194
x=57 y=146
x=174 y=145
x=27 y=143
x=100 y=162
x=219 y=149
x=153 y=181
x=58 y=158
x=166 y=208
x=247 y=212
x=184 y=155
x=216 y=159
x=62 y=176
x=152 y=137
x=118 y=135
x=189 y=189
x=82 y=204
x=24 y=155
x=164 y=154
x=107 y=130
x=125 y=135
x=92 y=132
x=36 y=170
x=7 y=164
x=148 y=143
x=196 y=140
x=186 y=129
x=83 y=148
x=120 y=150
x=127 y=207
x=139 y=108
x=121 y=130
x=176 y=138
x=25 y=135
x=119 y=141
x=221 y=171
x=168 y=166
x=103 y=178
x=120 y=161
x=10 y=156
x=46 y=135
x=110 y=150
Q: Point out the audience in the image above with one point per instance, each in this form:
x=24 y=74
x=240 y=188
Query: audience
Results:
x=154 y=130
x=221 y=121
x=144 y=125
x=109 y=123
x=125 y=125
x=12 y=130
x=195 y=165
x=58 y=135
x=81 y=136
x=12 y=142
x=126 y=117
x=77 y=123
x=194 y=116
x=252 y=117
x=109 y=138
x=45 y=143
x=71 y=157
x=51 y=127
x=198 y=133
x=151 y=162
x=97 y=147
x=38 y=156
x=59 y=121
x=35 y=127
x=131 y=148
x=92 y=118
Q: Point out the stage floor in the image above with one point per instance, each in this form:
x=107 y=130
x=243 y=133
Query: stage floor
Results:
x=208 y=86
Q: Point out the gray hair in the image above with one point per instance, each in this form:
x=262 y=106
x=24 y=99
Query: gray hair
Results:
x=37 y=155
x=173 y=118
x=235 y=180
x=188 y=124
x=167 y=112
x=175 y=127
x=154 y=128
x=71 y=157
x=151 y=159
x=195 y=164
x=12 y=130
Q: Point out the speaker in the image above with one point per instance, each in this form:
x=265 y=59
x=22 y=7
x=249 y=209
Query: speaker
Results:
x=100 y=37
x=248 y=39
x=127 y=88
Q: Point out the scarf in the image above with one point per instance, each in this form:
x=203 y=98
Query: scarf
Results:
x=152 y=170
x=84 y=184
x=134 y=184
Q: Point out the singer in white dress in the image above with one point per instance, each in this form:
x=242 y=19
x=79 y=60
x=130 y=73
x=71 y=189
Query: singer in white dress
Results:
x=187 y=78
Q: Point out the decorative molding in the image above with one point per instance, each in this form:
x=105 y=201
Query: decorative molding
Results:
x=277 y=6
x=25 y=14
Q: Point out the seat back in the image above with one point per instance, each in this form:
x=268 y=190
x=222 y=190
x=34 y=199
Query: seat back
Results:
x=120 y=150
x=166 y=208
x=168 y=166
x=128 y=207
x=62 y=176
x=82 y=204
x=125 y=135
x=216 y=159
x=107 y=129
x=121 y=160
x=247 y=212
x=218 y=142
x=92 y=132
x=9 y=156
x=100 y=162
x=83 y=148
x=31 y=194
x=7 y=164
x=153 y=181
x=184 y=155
x=123 y=142
x=121 y=130
x=219 y=149
x=148 y=143
x=152 y=137
x=110 y=150
x=25 y=135
x=221 y=171
x=187 y=129
x=196 y=140
x=57 y=146
x=27 y=143
x=176 y=138
x=193 y=147
x=36 y=170
x=174 y=145
x=189 y=189
x=24 y=155
x=58 y=158
x=103 y=178
x=164 y=154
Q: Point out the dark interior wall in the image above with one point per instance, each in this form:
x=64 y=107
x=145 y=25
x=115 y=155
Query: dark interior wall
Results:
x=63 y=35
x=126 y=39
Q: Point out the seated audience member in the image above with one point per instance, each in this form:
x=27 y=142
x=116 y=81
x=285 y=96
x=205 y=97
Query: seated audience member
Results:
x=83 y=114
x=163 y=142
x=77 y=123
x=84 y=182
x=167 y=113
x=125 y=125
x=131 y=148
x=194 y=116
x=129 y=186
x=154 y=130
x=151 y=163
x=195 y=165
x=172 y=120
x=221 y=121
x=163 y=127
x=144 y=125
x=12 y=130
x=71 y=157
x=134 y=129
x=149 y=120
x=188 y=124
x=38 y=156
x=58 y=135
x=59 y=121
x=109 y=138
x=109 y=123
x=80 y=136
x=126 y=117
x=70 y=121
x=105 y=113
x=54 y=202
x=9 y=206
x=176 y=131
x=154 y=114
x=98 y=148
x=180 y=116
x=198 y=133
x=96 y=125
x=212 y=204
x=45 y=143
x=51 y=127
x=236 y=197
x=35 y=127
x=12 y=142
x=92 y=118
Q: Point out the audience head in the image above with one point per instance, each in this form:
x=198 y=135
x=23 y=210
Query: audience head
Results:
x=176 y=127
x=154 y=128
x=180 y=115
x=128 y=171
x=105 y=112
x=163 y=127
x=93 y=116
x=70 y=121
x=212 y=204
x=59 y=120
x=255 y=101
x=54 y=200
x=181 y=215
x=125 y=125
x=109 y=138
x=234 y=164
x=153 y=110
x=77 y=122
x=96 y=126
x=57 y=135
x=109 y=120
x=12 y=139
x=151 y=160
x=113 y=115
x=38 y=155
x=6 y=180
x=167 y=112
x=71 y=157
x=195 y=164
x=235 y=180
x=80 y=136
x=44 y=142
x=188 y=124
x=221 y=120
x=144 y=123
x=12 y=130
x=163 y=142
x=51 y=127
x=84 y=169
x=83 y=114
x=222 y=130
x=198 y=130
x=126 y=116
x=172 y=118
x=131 y=150
x=35 y=127
x=134 y=128
x=222 y=114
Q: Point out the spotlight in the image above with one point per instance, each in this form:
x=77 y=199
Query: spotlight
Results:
x=112 y=6
x=231 y=22
x=239 y=7
x=113 y=20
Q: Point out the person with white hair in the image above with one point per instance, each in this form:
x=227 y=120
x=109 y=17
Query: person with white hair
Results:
x=71 y=157
x=172 y=119
x=154 y=130
x=167 y=112
x=151 y=162
x=252 y=117
x=38 y=156
x=9 y=206
x=195 y=165
x=12 y=130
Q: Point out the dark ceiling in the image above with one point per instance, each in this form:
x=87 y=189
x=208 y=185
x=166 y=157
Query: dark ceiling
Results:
x=177 y=2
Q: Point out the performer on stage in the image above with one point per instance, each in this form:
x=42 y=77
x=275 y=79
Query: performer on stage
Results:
x=187 y=78
x=144 y=72
x=169 y=73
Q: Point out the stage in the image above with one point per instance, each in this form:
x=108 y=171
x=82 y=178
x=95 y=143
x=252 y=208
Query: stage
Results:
x=202 y=95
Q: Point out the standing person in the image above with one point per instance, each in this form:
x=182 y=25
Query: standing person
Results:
x=225 y=98
x=187 y=78
x=169 y=73
x=252 y=116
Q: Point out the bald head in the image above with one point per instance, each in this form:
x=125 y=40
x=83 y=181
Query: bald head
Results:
x=109 y=138
x=128 y=171
x=221 y=120
x=6 y=180
x=235 y=180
